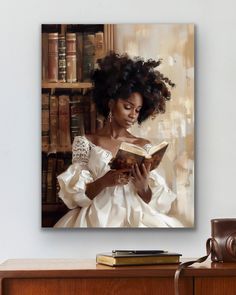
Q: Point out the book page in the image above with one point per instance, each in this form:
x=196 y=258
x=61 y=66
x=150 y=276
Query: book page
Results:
x=158 y=147
x=132 y=148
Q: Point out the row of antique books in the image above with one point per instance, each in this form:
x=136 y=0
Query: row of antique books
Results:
x=70 y=57
x=52 y=166
x=65 y=116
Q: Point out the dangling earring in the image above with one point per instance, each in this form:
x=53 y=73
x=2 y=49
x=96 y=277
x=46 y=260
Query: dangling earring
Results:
x=110 y=117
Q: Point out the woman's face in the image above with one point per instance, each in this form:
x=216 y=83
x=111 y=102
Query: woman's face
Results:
x=125 y=112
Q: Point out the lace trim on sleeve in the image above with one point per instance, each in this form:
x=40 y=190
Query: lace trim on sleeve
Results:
x=80 y=150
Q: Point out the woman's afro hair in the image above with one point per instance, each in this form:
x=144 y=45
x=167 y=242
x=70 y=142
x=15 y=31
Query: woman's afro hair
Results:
x=118 y=76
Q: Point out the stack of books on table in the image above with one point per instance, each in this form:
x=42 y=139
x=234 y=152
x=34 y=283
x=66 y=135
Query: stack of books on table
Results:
x=137 y=257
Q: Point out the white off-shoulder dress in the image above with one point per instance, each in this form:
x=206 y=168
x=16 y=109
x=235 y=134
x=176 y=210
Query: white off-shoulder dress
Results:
x=117 y=206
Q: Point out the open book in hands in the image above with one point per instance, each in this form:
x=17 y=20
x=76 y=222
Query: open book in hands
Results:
x=130 y=154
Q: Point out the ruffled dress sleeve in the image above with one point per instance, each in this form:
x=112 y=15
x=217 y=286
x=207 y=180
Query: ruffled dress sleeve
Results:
x=162 y=195
x=73 y=181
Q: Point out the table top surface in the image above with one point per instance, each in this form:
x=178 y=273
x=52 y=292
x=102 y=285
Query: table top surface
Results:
x=89 y=268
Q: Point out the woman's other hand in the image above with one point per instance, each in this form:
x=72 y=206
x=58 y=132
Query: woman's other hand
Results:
x=140 y=181
x=111 y=178
x=116 y=177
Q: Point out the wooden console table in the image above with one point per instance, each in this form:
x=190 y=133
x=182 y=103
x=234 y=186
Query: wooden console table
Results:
x=84 y=277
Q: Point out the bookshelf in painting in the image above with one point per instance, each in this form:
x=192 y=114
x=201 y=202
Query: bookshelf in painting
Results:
x=69 y=54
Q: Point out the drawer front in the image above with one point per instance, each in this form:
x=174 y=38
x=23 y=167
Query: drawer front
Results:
x=93 y=286
x=215 y=286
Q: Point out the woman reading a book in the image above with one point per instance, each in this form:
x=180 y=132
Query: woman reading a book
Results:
x=125 y=91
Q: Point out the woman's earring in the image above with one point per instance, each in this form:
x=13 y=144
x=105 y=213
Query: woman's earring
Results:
x=110 y=117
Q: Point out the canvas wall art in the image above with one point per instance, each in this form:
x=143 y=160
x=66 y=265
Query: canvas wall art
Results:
x=117 y=125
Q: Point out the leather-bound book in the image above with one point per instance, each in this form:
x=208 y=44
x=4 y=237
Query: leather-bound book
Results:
x=127 y=258
x=51 y=179
x=76 y=125
x=80 y=106
x=63 y=162
x=53 y=123
x=44 y=177
x=130 y=154
x=87 y=115
x=44 y=56
x=59 y=170
x=88 y=55
x=76 y=116
x=79 y=55
x=62 y=58
x=53 y=57
x=71 y=75
x=64 y=123
x=90 y=115
x=45 y=122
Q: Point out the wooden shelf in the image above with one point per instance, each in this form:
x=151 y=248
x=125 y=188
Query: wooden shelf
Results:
x=79 y=85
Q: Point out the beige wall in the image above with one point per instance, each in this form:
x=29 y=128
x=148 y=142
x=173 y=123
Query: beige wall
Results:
x=174 y=44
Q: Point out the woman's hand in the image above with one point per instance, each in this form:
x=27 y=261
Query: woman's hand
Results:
x=140 y=181
x=111 y=178
x=116 y=177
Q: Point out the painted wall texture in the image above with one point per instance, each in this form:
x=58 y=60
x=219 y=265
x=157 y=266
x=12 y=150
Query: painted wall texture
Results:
x=174 y=44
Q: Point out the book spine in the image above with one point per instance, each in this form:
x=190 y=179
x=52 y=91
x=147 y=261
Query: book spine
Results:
x=45 y=121
x=88 y=55
x=64 y=123
x=81 y=106
x=51 y=179
x=77 y=116
x=86 y=108
x=53 y=123
x=62 y=59
x=53 y=57
x=67 y=161
x=71 y=75
x=77 y=126
x=63 y=162
x=79 y=55
x=44 y=177
x=44 y=56
x=59 y=170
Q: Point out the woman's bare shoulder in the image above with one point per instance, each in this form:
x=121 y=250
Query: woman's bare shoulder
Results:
x=97 y=139
x=90 y=137
x=93 y=138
